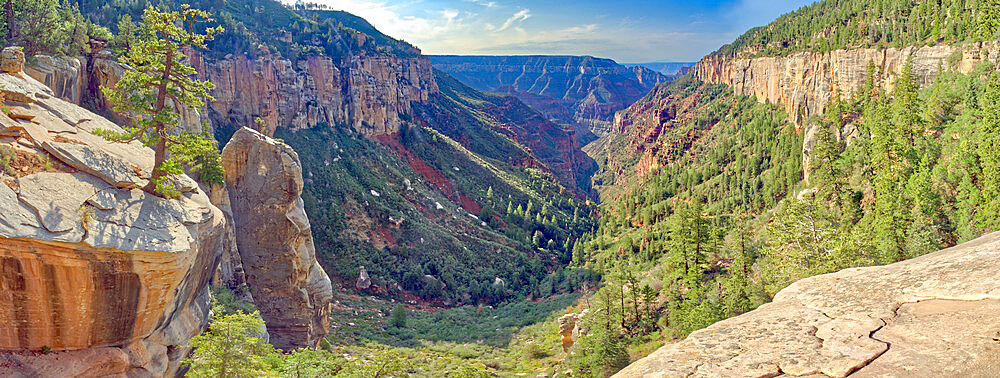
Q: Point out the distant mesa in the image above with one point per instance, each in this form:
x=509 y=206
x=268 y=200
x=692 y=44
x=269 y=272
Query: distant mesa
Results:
x=670 y=69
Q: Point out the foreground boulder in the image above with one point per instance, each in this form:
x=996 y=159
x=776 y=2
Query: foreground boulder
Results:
x=935 y=315
x=274 y=239
x=110 y=279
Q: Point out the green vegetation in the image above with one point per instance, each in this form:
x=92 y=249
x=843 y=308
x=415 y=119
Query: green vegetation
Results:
x=226 y=301
x=160 y=74
x=232 y=347
x=453 y=221
x=47 y=27
x=480 y=325
x=912 y=172
x=837 y=24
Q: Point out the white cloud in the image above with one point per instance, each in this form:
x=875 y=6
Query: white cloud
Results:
x=390 y=19
x=488 y=4
x=520 y=16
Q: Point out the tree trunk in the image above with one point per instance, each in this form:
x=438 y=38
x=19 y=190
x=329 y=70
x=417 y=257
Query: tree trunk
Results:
x=160 y=128
x=161 y=155
x=11 y=26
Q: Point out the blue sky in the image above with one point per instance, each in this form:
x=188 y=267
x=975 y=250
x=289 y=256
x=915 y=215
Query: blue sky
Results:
x=628 y=31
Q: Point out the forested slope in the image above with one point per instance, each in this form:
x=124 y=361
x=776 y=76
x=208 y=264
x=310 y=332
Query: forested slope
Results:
x=707 y=212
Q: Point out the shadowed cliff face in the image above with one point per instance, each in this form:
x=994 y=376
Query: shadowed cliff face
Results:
x=578 y=90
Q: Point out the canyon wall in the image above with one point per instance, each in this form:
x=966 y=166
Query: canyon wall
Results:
x=934 y=315
x=108 y=278
x=370 y=93
x=274 y=238
x=582 y=91
x=803 y=83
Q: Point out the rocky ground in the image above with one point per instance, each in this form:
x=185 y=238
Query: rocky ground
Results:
x=935 y=315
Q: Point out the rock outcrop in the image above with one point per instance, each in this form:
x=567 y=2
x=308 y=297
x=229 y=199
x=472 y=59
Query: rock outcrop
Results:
x=79 y=80
x=109 y=278
x=569 y=329
x=65 y=76
x=582 y=91
x=935 y=315
x=11 y=60
x=293 y=293
x=370 y=93
x=804 y=82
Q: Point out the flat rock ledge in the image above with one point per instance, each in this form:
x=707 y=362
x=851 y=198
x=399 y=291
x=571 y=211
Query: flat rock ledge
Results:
x=935 y=315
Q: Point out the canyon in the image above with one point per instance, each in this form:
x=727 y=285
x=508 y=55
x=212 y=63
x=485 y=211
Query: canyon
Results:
x=580 y=91
x=374 y=95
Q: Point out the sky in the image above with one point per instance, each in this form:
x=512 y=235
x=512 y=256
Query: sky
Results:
x=634 y=31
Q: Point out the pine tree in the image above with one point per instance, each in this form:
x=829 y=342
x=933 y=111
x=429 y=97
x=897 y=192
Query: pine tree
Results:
x=398 y=316
x=989 y=19
x=126 y=35
x=989 y=154
x=161 y=75
x=232 y=347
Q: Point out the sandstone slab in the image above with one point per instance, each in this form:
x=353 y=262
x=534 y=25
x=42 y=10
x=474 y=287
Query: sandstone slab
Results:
x=112 y=280
x=935 y=315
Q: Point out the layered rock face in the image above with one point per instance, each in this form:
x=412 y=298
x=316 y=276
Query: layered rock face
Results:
x=293 y=293
x=579 y=90
x=803 y=83
x=111 y=279
x=935 y=315
x=79 y=80
x=368 y=92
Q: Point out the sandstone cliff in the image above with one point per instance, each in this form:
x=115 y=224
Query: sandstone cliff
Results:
x=112 y=280
x=578 y=90
x=293 y=293
x=804 y=82
x=370 y=93
x=935 y=315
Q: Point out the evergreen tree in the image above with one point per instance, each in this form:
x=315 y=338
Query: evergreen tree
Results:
x=160 y=75
x=232 y=347
x=989 y=154
x=398 y=316
x=126 y=35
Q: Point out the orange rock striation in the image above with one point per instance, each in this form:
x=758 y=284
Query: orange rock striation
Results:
x=109 y=278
